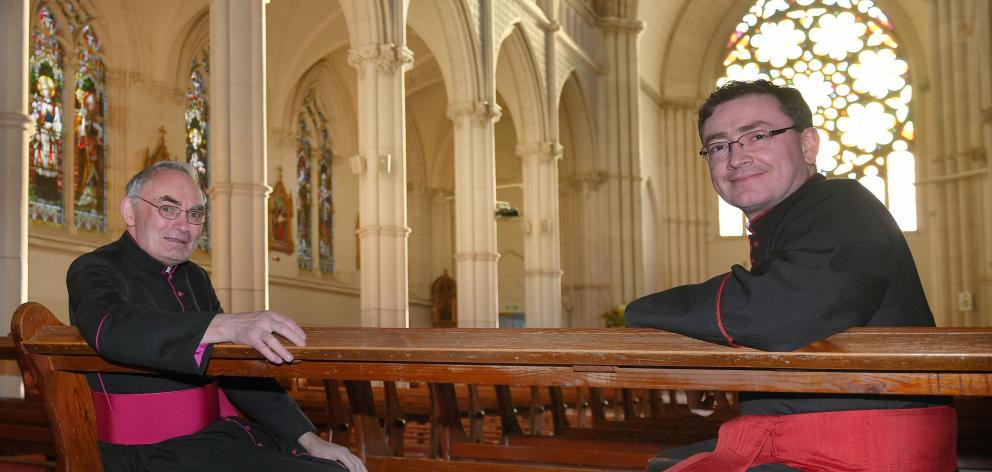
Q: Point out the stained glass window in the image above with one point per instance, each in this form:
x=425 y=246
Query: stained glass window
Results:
x=313 y=131
x=326 y=209
x=304 y=255
x=45 y=187
x=197 y=127
x=90 y=132
x=60 y=22
x=844 y=58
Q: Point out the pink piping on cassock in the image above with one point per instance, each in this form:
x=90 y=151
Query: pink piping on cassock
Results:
x=226 y=408
x=198 y=354
x=99 y=376
x=247 y=430
x=719 y=318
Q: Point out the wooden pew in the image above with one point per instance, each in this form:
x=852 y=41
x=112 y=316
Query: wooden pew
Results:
x=24 y=429
x=898 y=361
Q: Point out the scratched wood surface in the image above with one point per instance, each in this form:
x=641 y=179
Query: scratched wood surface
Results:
x=893 y=349
x=949 y=361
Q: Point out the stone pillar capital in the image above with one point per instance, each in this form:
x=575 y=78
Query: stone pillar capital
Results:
x=546 y=151
x=479 y=111
x=384 y=230
x=387 y=58
x=619 y=25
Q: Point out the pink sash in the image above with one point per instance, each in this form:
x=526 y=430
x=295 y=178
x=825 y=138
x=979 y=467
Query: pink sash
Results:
x=148 y=418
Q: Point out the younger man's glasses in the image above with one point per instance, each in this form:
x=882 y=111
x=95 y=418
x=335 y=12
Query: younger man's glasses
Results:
x=754 y=140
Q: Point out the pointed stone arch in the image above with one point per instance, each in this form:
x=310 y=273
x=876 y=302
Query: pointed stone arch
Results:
x=519 y=82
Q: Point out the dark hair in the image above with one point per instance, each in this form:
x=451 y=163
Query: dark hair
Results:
x=134 y=185
x=789 y=99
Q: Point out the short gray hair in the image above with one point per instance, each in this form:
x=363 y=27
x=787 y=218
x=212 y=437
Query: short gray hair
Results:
x=134 y=186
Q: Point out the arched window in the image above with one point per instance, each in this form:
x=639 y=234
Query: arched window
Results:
x=45 y=181
x=313 y=132
x=304 y=255
x=326 y=207
x=58 y=23
x=90 y=131
x=844 y=58
x=197 y=127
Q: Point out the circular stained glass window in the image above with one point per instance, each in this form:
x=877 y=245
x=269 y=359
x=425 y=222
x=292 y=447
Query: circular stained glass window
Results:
x=843 y=57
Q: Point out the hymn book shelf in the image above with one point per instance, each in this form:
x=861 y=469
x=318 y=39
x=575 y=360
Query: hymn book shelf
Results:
x=901 y=361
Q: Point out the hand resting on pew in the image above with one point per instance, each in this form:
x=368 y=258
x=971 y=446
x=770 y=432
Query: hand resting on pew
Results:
x=256 y=329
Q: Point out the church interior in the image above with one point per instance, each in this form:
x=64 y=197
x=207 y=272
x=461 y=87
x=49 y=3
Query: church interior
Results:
x=536 y=158
x=476 y=163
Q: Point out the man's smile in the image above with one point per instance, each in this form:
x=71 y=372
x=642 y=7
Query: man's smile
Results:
x=177 y=240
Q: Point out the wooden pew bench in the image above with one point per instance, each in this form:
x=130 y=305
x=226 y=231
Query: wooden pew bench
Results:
x=24 y=429
x=898 y=361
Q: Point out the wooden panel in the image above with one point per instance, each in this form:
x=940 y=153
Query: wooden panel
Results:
x=757 y=380
x=877 y=349
x=398 y=464
x=629 y=460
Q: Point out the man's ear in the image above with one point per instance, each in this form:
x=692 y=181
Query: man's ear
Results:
x=809 y=140
x=127 y=211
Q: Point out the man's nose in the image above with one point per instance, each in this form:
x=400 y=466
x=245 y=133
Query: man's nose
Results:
x=738 y=156
x=181 y=223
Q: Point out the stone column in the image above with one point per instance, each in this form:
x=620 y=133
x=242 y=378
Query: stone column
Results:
x=685 y=190
x=238 y=192
x=957 y=160
x=14 y=127
x=542 y=251
x=620 y=155
x=381 y=167
x=475 y=222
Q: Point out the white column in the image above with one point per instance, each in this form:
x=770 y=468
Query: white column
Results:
x=542 y=251
x=238 y=193
x=14 y=126
x=956 y=159
x=381 y=167
x=475 y=205
x=620 y=146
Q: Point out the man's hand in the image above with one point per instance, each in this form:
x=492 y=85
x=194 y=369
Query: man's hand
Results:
x=326 y=450
x=256 y=329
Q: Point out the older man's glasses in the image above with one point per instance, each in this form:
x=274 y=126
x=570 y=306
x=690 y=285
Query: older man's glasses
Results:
x=754 y=140
x=195 y=216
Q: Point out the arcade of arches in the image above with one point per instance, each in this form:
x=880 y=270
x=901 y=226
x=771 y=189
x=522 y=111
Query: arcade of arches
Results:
x=541 y=153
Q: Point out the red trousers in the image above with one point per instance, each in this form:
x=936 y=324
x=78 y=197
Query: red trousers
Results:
x=899 y=440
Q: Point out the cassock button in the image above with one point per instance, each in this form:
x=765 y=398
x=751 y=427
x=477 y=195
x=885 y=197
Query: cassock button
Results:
x=180 y=293
x=755 y=243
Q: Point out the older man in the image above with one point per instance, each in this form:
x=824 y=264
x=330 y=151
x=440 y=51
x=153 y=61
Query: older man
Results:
x=825 y=256
x=140 y=301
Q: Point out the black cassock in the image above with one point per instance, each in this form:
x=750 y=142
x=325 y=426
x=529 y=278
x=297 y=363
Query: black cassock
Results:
x=134 y=310
x=827 y=258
